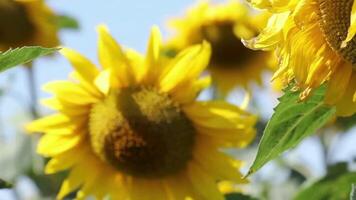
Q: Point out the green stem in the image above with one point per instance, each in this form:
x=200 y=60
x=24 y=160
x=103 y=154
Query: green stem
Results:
x=37 y=161
x=215 y=93
x=324 y=149
x=32 y=90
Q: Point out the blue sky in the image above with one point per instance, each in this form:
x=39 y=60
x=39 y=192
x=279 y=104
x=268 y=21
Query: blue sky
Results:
x=128 y=21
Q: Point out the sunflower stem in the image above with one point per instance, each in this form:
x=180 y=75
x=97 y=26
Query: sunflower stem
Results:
x=37 y=161
x=32 y=90
x=324 y=149
x=215 y=93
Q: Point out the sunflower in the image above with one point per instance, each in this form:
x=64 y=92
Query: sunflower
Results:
x=223 y=25
x=26 y=23
x=133 y=130
x=315 y=43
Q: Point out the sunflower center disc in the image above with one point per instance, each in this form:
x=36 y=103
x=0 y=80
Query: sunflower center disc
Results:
x=335 y=22
x=142 y=133
x=15 y=25
x=227 y=49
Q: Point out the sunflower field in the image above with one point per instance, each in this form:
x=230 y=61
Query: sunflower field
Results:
x=178 y=100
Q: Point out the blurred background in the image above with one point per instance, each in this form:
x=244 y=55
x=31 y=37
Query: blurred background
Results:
x=129 y=23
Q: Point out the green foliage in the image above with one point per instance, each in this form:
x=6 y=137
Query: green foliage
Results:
x=336 y=185
x=346 y=123
x=18 y=56
x=67 y=22
x=238 y=196
x=4 y=184
x=291 y=122
x=48 y=184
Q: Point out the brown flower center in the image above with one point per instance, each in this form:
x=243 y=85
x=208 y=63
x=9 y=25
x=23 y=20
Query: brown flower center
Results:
x=335 y=21
x=15 y=25
x=227 y=49
x=142 y=132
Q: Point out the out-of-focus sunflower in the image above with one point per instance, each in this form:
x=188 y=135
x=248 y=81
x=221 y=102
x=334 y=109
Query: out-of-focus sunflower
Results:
x=133 y=129
x=25 y=23
x=315 y=43
x=223 y=25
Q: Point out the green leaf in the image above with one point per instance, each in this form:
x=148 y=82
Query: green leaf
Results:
x=67 y=22
x=4 y=184
x=336 y=185
x=291 y=122
x=18 y=56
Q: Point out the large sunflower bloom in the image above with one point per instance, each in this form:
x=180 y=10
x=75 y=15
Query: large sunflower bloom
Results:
x=133 y=130
x=223 y=25
x=315 y=43
x=26 y=23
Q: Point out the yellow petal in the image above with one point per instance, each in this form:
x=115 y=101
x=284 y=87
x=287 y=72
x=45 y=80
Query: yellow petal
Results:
x=137 y=63
x=90 y=88
x=347 y=106
x=153 y=67
x=85 y=70
x=219 y=115
x=75 y=179
x=49 y=123
x=56 y=104
x=65 y=160
x=102 y=81
x=94 y=172
x=111 y=185
x=191 y=91
x=52 y=145
x=70 y=92
x=274 y=5
x=216 y=163
x=112 y=57
x=178 y=187
x=260 y=3
x=187 y=66
x=271 y=35
x=203 y=183
x=352 y=28
x=81 y=64
x=77 y=111
x=66 y=109
x=236 y=138
x=338 y=83
x=146 y=189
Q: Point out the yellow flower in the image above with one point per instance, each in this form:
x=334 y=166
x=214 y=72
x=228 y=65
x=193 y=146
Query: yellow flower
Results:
x=315 y=43
x=26 y=23
x=133 y=129
x=223 y=26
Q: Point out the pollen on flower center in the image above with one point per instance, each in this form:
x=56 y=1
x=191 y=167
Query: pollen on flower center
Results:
x=227 y=49
x=335 y=21
x=15 y=24
x=141 y=132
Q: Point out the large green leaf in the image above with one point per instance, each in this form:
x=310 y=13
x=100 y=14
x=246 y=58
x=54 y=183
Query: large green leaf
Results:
x=336 y=185
x=14 y=57
x=291 y=122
